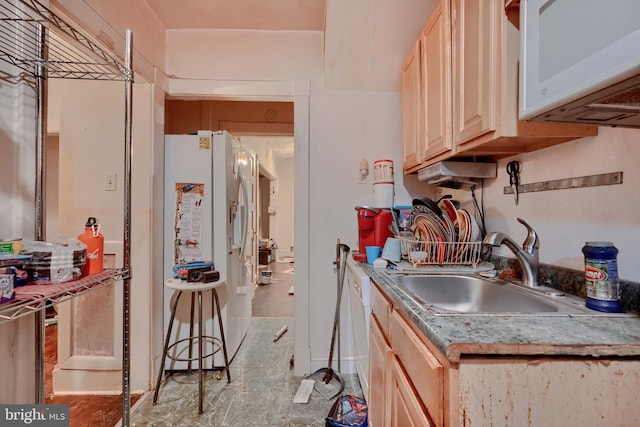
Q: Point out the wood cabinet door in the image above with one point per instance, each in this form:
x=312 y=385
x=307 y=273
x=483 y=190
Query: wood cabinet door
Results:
x=421 y=365
x=436 y=77
x=380 y=356
x=406 y=409
x=412 y=109
x=476 y=70
x=381 y=307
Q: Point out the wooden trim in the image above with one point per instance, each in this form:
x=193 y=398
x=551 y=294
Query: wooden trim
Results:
x=257 y=128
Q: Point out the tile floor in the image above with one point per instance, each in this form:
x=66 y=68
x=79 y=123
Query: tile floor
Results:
x=260 y=393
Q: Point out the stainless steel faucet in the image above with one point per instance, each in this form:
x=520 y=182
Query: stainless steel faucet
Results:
x=527 y=256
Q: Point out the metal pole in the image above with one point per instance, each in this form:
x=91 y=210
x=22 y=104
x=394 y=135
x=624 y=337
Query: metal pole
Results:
x=128 y=97
x=41 y=132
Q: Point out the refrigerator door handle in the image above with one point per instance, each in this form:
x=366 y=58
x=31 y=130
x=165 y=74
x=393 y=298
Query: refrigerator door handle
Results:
x=244 y=225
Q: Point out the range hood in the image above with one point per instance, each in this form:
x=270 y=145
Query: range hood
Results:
x=457 y=175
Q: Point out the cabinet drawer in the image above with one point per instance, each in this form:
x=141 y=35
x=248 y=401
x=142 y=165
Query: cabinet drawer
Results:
x=406 y=409
x=423 y=368
x=381 y=308
x=380 y=357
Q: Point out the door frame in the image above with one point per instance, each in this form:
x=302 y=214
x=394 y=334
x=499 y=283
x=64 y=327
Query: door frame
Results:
x=298 y=92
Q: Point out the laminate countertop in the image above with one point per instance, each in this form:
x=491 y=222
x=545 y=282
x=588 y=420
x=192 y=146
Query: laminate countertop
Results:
x=457 y=336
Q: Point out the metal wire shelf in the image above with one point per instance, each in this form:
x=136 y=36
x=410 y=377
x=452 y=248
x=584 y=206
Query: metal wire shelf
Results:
x=68 y=53
x=42 y=45
x=34 y=297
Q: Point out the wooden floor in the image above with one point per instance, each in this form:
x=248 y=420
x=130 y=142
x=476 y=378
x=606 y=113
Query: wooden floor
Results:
x=275 y=299
x=84 y=410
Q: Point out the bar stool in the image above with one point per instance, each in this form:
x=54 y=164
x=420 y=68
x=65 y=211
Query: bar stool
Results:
x=196 y=289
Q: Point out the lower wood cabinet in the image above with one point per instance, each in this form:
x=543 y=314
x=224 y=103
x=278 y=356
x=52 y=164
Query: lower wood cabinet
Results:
x=380 y=358
x=411 y=383
x=405 y=378
x=405 y=407
x=421 y=365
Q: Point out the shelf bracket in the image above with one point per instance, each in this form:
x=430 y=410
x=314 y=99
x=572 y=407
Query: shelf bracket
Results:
x=561 y=184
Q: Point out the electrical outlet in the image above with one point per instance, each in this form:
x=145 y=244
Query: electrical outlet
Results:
x=241 y=290
x=110 y=182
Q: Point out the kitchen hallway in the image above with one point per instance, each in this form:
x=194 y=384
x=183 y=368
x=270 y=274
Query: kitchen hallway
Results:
x=275 y=299
x=260 y=393
x=262 y=385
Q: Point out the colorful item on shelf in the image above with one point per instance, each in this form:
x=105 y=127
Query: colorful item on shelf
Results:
x=6 y=288
x=181 y=271
x=55 y=262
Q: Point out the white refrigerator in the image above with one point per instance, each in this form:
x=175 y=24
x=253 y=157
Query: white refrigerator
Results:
x=207 y=217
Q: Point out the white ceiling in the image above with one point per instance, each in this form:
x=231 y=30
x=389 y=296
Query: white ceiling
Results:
x=276 y=15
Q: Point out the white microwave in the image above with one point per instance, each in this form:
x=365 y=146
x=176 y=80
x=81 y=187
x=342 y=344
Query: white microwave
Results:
x=580 y=61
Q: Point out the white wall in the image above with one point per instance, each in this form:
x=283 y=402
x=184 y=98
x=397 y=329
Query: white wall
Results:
x=565 y=219
x=17 y=210
x=107 y=21
x=284 y=216
x=244 y=55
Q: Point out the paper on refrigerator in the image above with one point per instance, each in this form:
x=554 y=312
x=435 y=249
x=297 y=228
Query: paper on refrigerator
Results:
x=188 y=222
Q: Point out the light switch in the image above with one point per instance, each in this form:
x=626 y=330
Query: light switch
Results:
x=110 y=182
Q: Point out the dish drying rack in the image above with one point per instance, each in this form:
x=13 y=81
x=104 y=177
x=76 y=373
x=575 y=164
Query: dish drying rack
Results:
x=421 y=252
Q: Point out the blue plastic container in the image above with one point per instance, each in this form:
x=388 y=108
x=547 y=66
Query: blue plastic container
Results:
x=601 y=276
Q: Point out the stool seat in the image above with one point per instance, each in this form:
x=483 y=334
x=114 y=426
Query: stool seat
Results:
x=196 y=289
x=183 y=285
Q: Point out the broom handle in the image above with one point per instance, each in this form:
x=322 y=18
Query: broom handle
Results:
x=341 y=253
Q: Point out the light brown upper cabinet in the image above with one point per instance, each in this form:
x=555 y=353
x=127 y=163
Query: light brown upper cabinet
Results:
x=426 y=92
x=480 y=89
x=435 y=61
x=412 y=109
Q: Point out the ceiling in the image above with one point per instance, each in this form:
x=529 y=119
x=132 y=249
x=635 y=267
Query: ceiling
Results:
x=273 y=15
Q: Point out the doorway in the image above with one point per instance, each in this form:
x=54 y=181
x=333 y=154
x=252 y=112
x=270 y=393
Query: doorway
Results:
x=294 y=97
x=265 y=130
x=274 y=290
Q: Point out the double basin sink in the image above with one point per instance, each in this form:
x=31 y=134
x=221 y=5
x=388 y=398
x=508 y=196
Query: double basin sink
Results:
x=451 y=294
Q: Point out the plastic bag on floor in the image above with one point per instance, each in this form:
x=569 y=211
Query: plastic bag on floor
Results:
x=348 y=411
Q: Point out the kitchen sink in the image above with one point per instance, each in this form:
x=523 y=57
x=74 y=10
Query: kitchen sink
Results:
x=463 y=294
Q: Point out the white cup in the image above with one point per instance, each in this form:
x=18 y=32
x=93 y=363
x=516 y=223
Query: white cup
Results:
x=392 y=251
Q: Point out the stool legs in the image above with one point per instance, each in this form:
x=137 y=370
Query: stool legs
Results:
x=214 y=302
x=224 y=343
x=191 y=334
x=200 y=354
x=166 y=346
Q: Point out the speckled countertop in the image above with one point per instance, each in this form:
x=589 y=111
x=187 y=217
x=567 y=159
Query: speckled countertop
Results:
x=457 y=336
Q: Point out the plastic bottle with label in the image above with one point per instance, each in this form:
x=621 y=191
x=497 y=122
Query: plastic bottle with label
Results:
x=95 y=247
x=601 y=276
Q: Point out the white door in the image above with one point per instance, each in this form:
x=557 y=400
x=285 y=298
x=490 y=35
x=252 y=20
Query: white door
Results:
x=89 y=351
x=250 y=173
